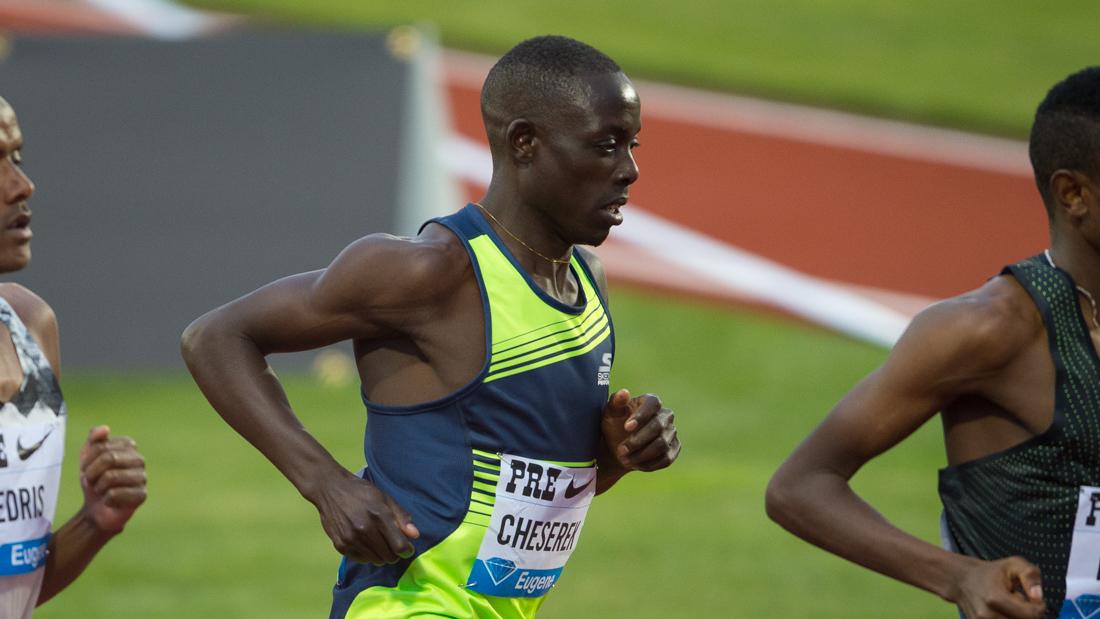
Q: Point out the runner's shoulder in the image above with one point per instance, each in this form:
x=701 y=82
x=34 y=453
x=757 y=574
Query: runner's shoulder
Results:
x=595 y=266
x=431 y=264
x=988 y=327
x=33 y=311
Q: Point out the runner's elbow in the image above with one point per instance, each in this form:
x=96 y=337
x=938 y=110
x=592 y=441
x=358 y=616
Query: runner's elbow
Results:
x=781 y=499
x=195 y=338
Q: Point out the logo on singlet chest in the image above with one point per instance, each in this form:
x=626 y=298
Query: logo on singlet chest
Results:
x=603 y=374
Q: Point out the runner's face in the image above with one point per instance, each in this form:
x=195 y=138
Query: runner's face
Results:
x=582 y=173
x=15 y=190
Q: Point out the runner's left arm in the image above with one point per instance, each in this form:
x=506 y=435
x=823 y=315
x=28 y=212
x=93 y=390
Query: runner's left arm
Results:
x=948 y=351
x=639 y=433
x=112 y=475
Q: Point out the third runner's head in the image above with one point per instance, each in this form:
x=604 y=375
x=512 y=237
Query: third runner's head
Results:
x=15 y=190
x=562 y=120
x=1065 y=151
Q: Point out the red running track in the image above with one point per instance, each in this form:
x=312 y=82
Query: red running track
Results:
x=871 y=203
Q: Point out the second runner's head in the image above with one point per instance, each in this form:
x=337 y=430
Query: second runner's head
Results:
x=562 y=121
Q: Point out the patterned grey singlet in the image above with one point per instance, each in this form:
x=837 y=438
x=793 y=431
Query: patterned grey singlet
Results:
x=32 y=444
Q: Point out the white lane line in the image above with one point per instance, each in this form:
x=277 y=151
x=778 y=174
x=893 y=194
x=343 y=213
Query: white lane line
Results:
x=160 y=19
x=753 y=276
x=741 y=272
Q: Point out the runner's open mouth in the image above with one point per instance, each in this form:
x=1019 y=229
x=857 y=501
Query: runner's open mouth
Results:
x=21 y=221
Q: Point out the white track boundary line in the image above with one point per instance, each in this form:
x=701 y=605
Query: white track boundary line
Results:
x=743 y=273
x=160 y=19
x=801 y=123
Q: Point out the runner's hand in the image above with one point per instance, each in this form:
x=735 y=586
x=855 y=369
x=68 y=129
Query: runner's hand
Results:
x=364 y=524
x=1006 y=589
x=639 y=432
x=112 y=475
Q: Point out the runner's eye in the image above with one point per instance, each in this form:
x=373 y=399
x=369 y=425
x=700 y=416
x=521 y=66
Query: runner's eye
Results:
x=17 y=157
x=634 y=144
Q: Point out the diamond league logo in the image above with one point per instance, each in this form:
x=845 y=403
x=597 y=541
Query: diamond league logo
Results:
x=1083 y=607
x=499 y=569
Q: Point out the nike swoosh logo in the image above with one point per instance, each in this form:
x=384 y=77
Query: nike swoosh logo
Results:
x=27 y=452
x=573 y=491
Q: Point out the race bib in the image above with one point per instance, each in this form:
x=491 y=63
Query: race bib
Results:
x=1083 y=570
x=537 y=518
x=30 y=472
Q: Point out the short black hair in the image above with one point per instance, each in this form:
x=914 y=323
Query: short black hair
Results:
x=536 y=76
x=1066 y=132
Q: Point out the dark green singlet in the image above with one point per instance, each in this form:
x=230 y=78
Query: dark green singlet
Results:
x=1025 y=500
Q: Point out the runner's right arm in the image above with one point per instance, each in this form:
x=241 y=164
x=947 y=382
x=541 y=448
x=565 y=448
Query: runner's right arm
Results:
x=950 y=349
x=379 y=286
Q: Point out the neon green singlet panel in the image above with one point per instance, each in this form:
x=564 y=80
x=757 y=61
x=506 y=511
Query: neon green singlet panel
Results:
x=539 y=395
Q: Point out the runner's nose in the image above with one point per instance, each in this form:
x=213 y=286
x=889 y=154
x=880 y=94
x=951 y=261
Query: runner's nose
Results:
x=628 y=170
x=18 y=187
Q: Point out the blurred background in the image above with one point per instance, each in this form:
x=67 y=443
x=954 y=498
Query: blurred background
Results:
x=813 y=174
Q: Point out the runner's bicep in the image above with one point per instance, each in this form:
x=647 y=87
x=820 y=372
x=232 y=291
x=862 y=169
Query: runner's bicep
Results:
x=917 y=379
x=298 y=312
x=873 y=417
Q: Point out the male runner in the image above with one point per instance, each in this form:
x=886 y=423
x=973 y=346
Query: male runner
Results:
x=484 y=346
x=1013 y=368
x=35 y=565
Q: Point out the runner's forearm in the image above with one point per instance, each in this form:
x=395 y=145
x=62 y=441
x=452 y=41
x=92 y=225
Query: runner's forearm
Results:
x=234 y=376
x=608 y=470
x=71 y=548
x=821 y=508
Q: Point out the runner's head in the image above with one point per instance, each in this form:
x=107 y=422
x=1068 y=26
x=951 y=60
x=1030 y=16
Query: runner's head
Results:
x=1065 y=143
x=562 y=121
x=15 y=190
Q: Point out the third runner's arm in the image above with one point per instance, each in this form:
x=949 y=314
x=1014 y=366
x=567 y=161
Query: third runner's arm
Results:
x=112 y=475
x=948 y=350
x=112 y=472
x=371 y=289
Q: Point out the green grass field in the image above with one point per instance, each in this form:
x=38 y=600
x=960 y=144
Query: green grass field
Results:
x=979 y=64
x=223 y=535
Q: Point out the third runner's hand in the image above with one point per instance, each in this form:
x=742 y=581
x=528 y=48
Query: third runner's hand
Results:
x=364 y=524
x=1006 y=589
x=112 y=475
x=640 y=432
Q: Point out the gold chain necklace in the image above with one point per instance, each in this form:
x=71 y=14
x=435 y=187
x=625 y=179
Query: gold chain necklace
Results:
x=1081 y=289
x=519 y=240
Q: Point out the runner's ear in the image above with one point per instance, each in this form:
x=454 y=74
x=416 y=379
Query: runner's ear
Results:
x=521 y=140
x=1068 y=188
